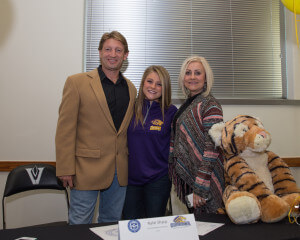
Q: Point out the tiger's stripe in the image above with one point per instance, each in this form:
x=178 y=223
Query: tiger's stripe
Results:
x=244 y=178
x=283 y=180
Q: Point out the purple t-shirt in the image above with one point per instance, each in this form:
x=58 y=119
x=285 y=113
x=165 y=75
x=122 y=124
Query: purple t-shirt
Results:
x=149 y=146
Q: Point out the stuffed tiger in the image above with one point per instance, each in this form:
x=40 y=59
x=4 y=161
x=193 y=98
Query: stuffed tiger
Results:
x=259 y=183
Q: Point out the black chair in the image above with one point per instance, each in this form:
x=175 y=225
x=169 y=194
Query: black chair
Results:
x=31 y=177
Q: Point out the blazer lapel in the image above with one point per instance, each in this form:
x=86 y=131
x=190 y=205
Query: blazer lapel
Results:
x=100 y=95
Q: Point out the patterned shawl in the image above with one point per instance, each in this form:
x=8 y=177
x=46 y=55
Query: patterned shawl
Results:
x=195 y=164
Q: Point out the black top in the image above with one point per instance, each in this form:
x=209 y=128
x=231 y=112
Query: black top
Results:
x=182 y=109
x=117 y=96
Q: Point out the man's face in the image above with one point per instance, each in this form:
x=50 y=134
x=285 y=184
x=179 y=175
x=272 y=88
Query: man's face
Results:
x=112 y=55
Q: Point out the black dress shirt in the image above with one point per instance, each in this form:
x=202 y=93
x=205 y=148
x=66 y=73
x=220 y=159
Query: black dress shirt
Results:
x=117 y=96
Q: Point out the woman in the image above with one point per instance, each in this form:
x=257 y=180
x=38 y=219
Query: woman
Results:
x=196 y=166
x=148 y=136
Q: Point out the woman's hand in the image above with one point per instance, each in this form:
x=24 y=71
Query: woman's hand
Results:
x=198 y=201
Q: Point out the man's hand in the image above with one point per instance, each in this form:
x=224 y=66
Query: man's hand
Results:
x=67 y=180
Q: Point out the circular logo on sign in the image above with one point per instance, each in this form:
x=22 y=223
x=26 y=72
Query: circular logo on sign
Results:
x=134 y=226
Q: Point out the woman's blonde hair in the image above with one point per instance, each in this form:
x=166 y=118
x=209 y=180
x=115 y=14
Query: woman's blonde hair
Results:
x=209 y=77
x=164 y=100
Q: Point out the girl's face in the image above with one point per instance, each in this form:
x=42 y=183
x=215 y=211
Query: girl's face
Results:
x=194 y=78
x=152 y=87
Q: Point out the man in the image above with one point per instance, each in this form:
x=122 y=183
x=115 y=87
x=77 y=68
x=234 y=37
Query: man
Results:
x=91 y=140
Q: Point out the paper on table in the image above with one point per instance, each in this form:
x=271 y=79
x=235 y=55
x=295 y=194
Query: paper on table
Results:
x=168 y=227
x=110 y=232
x=206 y=227
x=26 y=238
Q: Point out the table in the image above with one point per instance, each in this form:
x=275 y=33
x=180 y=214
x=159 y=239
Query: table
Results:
x=257 y=231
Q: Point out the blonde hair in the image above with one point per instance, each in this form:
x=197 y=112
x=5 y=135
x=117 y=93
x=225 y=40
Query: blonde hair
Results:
x=164 y=100
x=209 y=77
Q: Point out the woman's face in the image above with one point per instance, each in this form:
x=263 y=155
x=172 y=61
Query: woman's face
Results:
x=194 y=78
x=152 y=87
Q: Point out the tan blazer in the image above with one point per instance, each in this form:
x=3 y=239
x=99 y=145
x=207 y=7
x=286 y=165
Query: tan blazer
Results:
x=87 y=143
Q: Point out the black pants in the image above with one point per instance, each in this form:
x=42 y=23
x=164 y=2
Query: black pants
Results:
x=149 y=200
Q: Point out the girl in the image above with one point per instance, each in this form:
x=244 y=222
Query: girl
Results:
x=148 y=136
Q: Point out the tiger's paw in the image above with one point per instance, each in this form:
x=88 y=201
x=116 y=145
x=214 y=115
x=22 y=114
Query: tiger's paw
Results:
x=273 y=209
x=292 y=199
x=243 y=208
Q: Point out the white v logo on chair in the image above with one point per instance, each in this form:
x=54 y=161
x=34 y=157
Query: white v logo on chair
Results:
x=35 y=174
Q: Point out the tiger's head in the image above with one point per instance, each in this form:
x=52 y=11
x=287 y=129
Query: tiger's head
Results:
x=240 y=134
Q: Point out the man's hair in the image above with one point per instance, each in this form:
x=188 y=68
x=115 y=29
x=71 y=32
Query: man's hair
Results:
x=114 y=35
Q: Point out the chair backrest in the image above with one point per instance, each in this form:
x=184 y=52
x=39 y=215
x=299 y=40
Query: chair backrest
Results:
x=31 y=177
